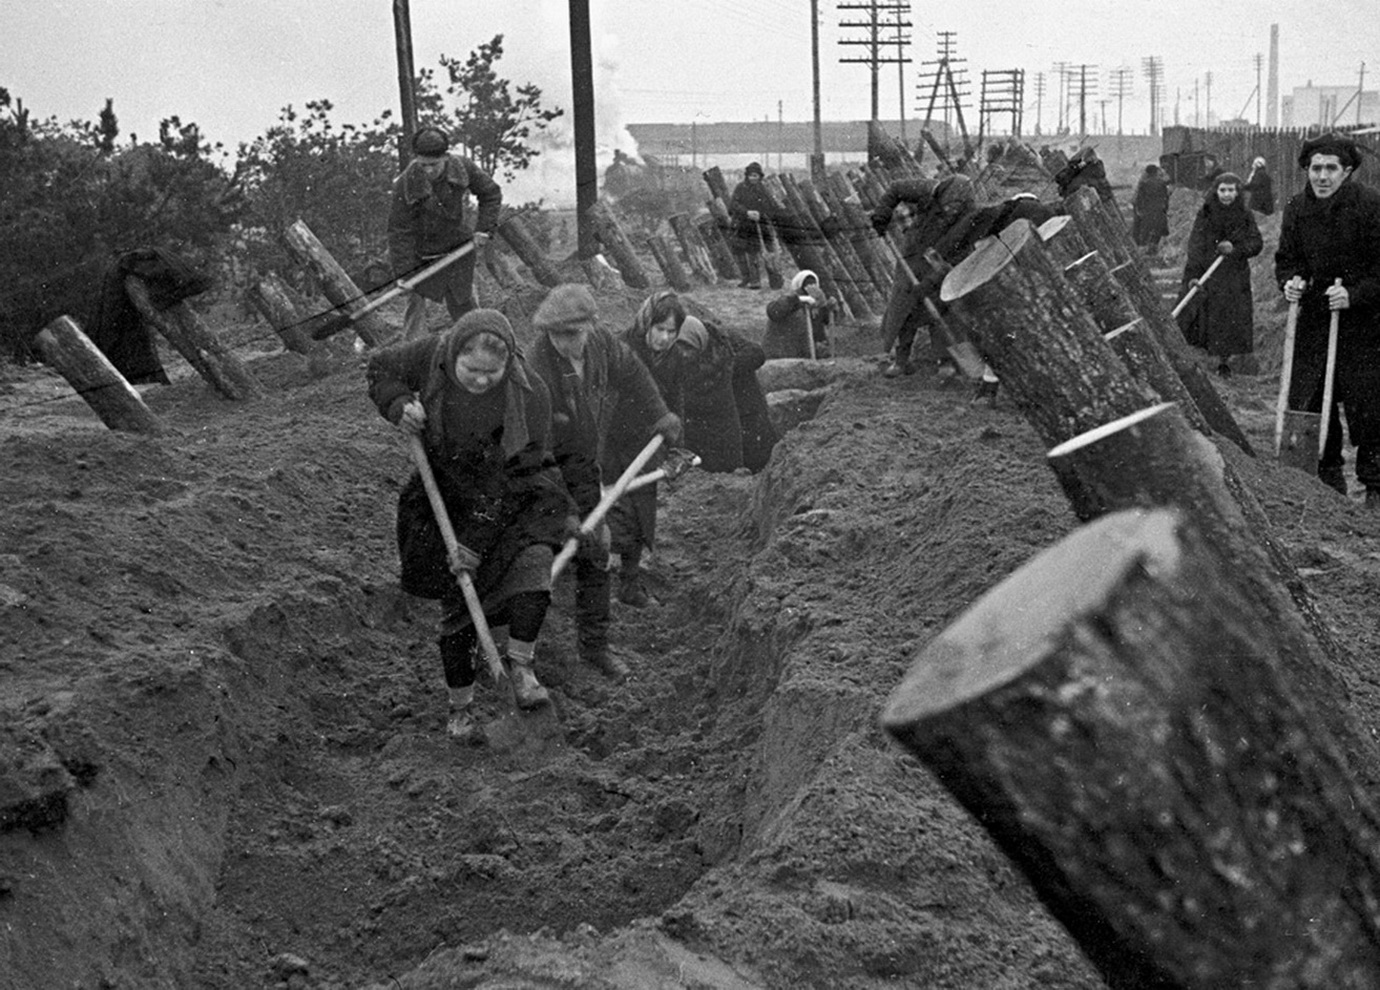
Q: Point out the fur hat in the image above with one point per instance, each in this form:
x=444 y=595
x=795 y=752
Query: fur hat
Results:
x=1331 y=144
x=430 y=141
x=566 y=309
x=754 y=168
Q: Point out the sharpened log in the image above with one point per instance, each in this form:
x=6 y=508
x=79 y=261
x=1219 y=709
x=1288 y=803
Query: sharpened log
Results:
x=1110 y=239
x=339 y=288
x=694 y=248
x=1062 y=239
x=833 y=274
x=610 y=234
x=668 y=263
x=117 y=403
x=877 y=261
x=274 y=302
x=515 y=234
x=195 y=341
x=719 y=251
x=1114 y=717
x=723 y=221
x=839 y=236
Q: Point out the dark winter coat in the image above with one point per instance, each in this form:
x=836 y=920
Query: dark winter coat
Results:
x=787 y=334
x=1322 y=240
x=490 y=453
x=752 y=196
x=1220 y=318
x=1262 y=191
x=612 y=405
x=430 y=218
x=726 y=419
x=1150 y=208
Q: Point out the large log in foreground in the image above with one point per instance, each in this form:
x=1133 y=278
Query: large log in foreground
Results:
x=1113 y=716
x=339 y=288
x=194 y=340
x=70 y=353
x=272 y=298
x=513 y=230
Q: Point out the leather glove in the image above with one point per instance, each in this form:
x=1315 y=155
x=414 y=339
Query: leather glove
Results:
x=463 y=559
x=1224 y=247
x=670 y=427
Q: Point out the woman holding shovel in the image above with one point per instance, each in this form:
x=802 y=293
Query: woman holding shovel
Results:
x=798 y=320
x=485 y=425
x=1220 y=320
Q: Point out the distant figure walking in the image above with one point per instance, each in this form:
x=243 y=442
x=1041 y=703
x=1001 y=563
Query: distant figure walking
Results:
x=1260 y=189
x=1150 y=209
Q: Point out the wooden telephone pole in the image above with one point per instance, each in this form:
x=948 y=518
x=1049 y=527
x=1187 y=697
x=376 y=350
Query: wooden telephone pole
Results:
x=582 y=85
x=407 y=75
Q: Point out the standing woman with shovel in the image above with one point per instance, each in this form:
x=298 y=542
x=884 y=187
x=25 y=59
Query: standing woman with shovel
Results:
x=1220 y=320
x=485 y=424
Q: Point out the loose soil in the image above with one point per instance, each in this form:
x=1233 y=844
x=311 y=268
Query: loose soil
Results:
x=222 y=751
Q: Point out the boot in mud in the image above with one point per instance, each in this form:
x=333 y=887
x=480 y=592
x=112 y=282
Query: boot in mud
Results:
x=632 y=590
x=460 y=725
x=1331 y=475
x=606 y=663
x=527 y=690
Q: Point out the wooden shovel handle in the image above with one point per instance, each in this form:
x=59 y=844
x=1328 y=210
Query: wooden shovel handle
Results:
x=1333 y=326
x=438 y=506
x=1286 y=374
x=606 y=501
x=1193 y=290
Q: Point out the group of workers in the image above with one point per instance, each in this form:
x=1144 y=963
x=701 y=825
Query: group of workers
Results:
x=521 y=444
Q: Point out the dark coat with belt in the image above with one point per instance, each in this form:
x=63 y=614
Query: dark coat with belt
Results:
x=1150 y=206
x=490 y=453
x=615 y=397
x=431 y=217
x=1322 y=240
x=1220 y=318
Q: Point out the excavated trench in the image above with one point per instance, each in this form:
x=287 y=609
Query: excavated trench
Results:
x=275 y=799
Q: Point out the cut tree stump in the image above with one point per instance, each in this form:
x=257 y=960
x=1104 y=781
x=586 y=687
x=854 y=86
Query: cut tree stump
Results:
x=196 y=342
x=339 y=288
x=117 y=403
x=617 y=246
x=1110 y=239
x=1114 y=716
x=669 y=264
x=692 y=244
x=273 y=300
x=515 y=234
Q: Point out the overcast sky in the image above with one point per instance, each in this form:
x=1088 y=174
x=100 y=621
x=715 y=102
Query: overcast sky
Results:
x=231 y=65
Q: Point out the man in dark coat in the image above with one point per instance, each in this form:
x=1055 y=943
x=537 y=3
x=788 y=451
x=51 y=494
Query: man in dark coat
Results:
x=1150 y=209
x=594 y=379
x=1328 y=260
x=755 y=216
x=430 y=217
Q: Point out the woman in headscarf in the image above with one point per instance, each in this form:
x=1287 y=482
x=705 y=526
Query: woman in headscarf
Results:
x=485 y=422
x=1260 y=189
x=794 y=316
x=1219 y=319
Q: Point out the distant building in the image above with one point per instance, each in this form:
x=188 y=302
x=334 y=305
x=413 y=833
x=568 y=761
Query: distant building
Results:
x=1309 y=106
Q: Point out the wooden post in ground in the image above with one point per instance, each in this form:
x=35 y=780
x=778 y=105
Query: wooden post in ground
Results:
x=809 y=247
x=273 y=300
x=1110 y=239
x=877 y=261
x=835 y=230
x=339 y=288
x=615 y=242
x=1115 y=718
x=515 y=234
x=195 y=341
x=669 y=264
x=724 y=224
x=713 y=236
x=70 y=353
x=692 y=244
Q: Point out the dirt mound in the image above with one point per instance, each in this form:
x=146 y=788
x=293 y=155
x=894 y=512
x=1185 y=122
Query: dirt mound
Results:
x=221 y=723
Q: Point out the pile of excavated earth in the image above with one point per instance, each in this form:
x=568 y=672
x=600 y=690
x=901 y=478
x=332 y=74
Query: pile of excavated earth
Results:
x=223 y=761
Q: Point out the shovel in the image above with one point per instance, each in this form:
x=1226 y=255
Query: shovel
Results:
x=1325 y=417
x=606 y=501
x=1286 y=376
x=769 y=260
x=338 y=323
x=809 y=325
x=678 y=461
x=1198 y=284
x=438 y=506
x=963 y=352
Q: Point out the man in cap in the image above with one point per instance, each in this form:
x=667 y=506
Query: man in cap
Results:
x=598 y=386
x=431 y=217
x=1328 y=261
x=754 y=215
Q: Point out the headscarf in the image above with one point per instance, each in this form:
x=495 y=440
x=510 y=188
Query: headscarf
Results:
x=515 y=383
x=693 y=334
x=798 y=281
x=1258 y=163
x=644 y=320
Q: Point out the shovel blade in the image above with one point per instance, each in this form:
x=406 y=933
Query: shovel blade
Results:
x=1298 y=444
